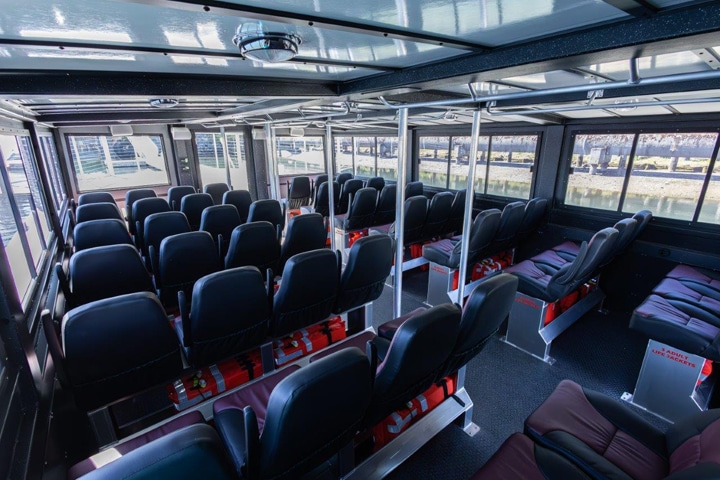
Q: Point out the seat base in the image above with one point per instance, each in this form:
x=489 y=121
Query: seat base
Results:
x=669 y=383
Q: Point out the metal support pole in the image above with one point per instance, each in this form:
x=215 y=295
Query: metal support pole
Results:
x=469 y=198
x=400 y=210
x=271 y=155
x=331 y=183
x=226 y=154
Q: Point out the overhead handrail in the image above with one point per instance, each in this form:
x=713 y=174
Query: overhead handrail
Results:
x=491 y=109
x=301 y=118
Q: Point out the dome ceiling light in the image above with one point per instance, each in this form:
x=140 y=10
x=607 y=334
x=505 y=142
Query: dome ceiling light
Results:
x=164 y=102
x=267 y=47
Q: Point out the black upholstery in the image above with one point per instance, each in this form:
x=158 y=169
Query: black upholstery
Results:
x=510 y=221
x=117 y=347
x=642 y=218
x=220 y=221
x=175 y=195
x=98 y=233
x=192 y=206
x=321 y=204
x=95 y=197
x=255 y=244
x=378 y=183
x=184 y=258
x=413 y=189
x=414 y=357
x=304 y=233
x=534 y=214
x=415 y=214
x=486 y=308
x=267 y=210
x=228 y=315
x=348 y=190
x=368 y=266
x=216 y=191
x=311 y=415
x=319 y=180
x=300 y=192
x=437 y=214
x=97 y=211
x=385 y=210
x=132 y=196
x=157 y=227
x=192 y=452
x=241 y=199
x=307 y=291
x=341 y=178
x=626 y=233
x=104 y=272
x=457 y=213
x=142 y=209
x=362 y=211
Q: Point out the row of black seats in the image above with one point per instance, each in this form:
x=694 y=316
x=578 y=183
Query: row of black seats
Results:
x=290 y=423
x=119 y=327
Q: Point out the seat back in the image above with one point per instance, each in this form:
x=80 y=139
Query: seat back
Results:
x=692 y=446
x=313 y=413
x=98 y=233
x=437 y=214
x=319 y=180
x=362 y=211
x=457 y=213
x=216 y=191
x=241 y=199
x=192 y=206
x=159 y=226
x=534 y=213
x=626 y=232
x=97 y=211
x=220 y=220
x=385 y=210
x=255 y=244
x=378 y=183
x=268 y=211
x=132 y=196
x=642 y=218
x=482 y=233
x=176 y=194
x=486 y=308
x=307 y=292
x=510 y=221
x=142 y=209
x=95 y=197
x=416 y=353
x=304 y=233
x=300 y=192
x=415 y=214
x=104 y=272
x=368 y=266
x=184 y=258
x=413 y=189
x=348 y=189
x=229 y=314
x=117 y=347
x=321 y=204
x=341 y=178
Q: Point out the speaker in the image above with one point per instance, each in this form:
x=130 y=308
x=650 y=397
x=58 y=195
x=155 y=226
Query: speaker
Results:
x=121 y=130
x=181 y=133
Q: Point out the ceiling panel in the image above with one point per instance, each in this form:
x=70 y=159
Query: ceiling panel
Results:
x=699 y=107
x=670 y=3
x=554 y=79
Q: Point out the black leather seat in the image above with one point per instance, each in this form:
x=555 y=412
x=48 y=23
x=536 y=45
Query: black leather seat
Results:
x=456 y=216
x=319 y=180
x=307 y=291
x=415 y=214
x=95 y=197
x=175 y=195
x=304 y=233
x=228 y=315
x=348 y=190
x=184 y=259
x=510 y=221
x=216 y=191
x=321 y=204
x=254 y=244
x=287 y=431
x=437 y=214
x=385 y=210
x=267 y=210
x=363 y=279
x=132 y=196
x=341 y=178
x=142 y=209
x=446 y=252
x=300 y=192
x=97 y=211
x=104 y=272
x=192 y=206
x=361 y=213
x=378 y=183
x=117 y=347
x=241 y=199
x=413 y=189
x=99 y=233
x=159 y=226
x=534 y=214
x=219 y=221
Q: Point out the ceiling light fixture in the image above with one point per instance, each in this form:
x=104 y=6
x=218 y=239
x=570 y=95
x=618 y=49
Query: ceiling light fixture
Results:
x=164 y=102
x=268 y=47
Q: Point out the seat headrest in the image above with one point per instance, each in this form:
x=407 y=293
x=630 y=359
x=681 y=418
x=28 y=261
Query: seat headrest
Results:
x=146 y=206
x=97 y=211
x=196 y=201
x=376 y=182
x=95 y=197
x=267 y=209
x=482 y=232
x=131 y=196
x=300 y=187
x=164 y=224
x=218 y=217
x=98 y=233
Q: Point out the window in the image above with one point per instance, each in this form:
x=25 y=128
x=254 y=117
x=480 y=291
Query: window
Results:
x=433 y=155
x=300 y=155
x=211 y=157
x=238 y=162
x=104 y=162
x=52 y=167
x=509 y=165
x=387 y=157
x=344 y=154
x=665 y=172
x=365 y=159
x=367 y=156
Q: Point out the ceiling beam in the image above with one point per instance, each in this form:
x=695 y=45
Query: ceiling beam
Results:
x=636 y=8
x=317 y=20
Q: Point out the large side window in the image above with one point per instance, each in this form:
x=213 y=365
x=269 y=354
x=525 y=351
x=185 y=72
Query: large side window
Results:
x=104 y=162
x=365 y=158
x=387 y=157
x=211 y=157
x=52 y=167
x=433 y=154
x=237 y=160
x=300 y=155
x=509 y=171
x=344 y=154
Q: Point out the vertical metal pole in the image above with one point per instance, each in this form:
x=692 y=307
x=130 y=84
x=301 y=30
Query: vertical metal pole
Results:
x=226 y=154
x=469 y=198
x=330 y=165
x=271 y=156
x=400 y=209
